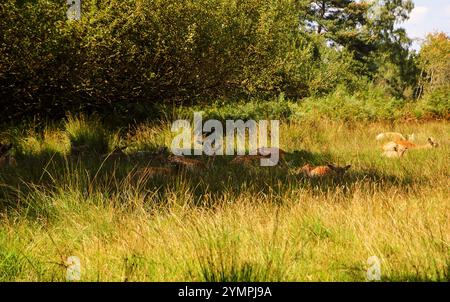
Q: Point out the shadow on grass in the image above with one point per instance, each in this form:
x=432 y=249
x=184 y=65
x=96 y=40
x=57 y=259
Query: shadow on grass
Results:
x=49 y=171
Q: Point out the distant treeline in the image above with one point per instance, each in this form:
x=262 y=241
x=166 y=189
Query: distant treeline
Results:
x=128 y=54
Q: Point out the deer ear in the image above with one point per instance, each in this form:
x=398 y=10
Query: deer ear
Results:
x=331 y=166
x=348 y=167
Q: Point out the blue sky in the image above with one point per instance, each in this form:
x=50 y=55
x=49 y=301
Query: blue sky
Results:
x=428 y=16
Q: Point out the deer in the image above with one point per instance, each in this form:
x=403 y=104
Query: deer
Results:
x=155 y=171
x=398 y=148
x=395 y=136
x=193 y=165
x=79 y=150
x=117 y=153
x=266 y=152
x=393 y=150
x=6 y=159
x=245 y=160
x=431 y=143
x=261 y=153
x=160 y=155
x=323 y=171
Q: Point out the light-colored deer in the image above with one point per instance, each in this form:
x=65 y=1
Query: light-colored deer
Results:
x=399 y=147
x=396 y=149
x=393 y=150
x=395 y=136
x=323 y=171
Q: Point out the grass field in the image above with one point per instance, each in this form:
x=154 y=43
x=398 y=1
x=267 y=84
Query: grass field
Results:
x=229 y=223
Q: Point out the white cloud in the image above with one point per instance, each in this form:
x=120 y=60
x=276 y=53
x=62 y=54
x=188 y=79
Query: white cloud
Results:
x=418 y=15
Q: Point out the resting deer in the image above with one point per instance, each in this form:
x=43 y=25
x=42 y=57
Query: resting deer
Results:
x=190 y=163
x=398 y=148
x=79 y=150
x=246 y=160
x=395 y=136
x=160 y=155
x=323 y=171
x=117 y=153
x=267 y=152
x=264 y=152
x=155 y=171
x=6 y=159
x=409 y=145
x=394 y=150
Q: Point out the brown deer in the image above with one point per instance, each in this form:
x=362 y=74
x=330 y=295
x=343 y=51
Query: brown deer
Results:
x=116 y=154
x=160 y=155
x=246 y=160
x=431 y=143
x=323 y=171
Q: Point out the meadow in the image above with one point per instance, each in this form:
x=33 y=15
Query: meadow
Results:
x=228 y=223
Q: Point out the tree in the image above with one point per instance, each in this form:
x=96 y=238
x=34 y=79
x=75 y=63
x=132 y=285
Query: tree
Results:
x=368 y=30
x=434 y=61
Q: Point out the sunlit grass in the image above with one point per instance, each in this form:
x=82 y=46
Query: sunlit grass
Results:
x=230 y=223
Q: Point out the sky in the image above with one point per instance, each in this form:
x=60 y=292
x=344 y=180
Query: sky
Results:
x=427 y=16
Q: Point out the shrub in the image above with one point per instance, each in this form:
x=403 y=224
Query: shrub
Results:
x=435 y=104
x=123 y=56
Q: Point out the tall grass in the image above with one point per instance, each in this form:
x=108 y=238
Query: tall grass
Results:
x=86 y=132
x=228 y=224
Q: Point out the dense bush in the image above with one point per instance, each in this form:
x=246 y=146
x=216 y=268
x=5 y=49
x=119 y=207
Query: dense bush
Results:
x=124 y=54
x=35 y=70
x=134 y=59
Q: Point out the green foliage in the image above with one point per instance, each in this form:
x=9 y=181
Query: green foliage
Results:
x=87 y=134
x=279 y=108
x=33 y=51
x=12 y=263
x=125 y=58
x=123 y=53
x=434 y=88
x=435 y=104
x=367 y=31
x=434 y=60
x=370 y=104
